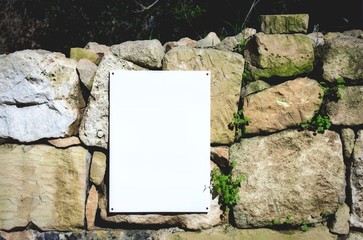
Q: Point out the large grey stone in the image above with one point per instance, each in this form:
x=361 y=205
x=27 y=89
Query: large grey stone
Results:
x=93 y=129
x=279 y=55
x=342 y=56
x=348 y=110
x=283 y=106
x=356 y=218
x=39 y=96
x=290 y=173
x=285 y=23
x=226 y=78
x=146 y=53
x=42 y=185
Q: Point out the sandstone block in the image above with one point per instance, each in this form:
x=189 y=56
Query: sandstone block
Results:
x=290 y=173
x=226 y=78
x=287 y=23
x=42 y=185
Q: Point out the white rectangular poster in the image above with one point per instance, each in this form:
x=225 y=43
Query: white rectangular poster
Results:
x=159 y=141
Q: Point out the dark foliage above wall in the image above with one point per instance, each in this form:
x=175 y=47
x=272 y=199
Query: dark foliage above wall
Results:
x=58 y=25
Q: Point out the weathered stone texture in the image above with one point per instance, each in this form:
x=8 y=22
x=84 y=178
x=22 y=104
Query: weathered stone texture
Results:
x=186 y=221
x=356 y=218
x=226 y=77
x=340 y=224
x=81 y=53
x=348 y=138
x=93 y=129
x=210 y=40
x=279 y=55
x=348 y=110
x=98 y=48
x=65 y=142
x=86 y=70
x=287 y=23
x=98 y=167
x=91 y=207
x=342 y=56
x=231 y=43
x=182 y=42
x=146 y=53
x=290 y=173
x=39 y=96
x=254 y=87
x=226 y=233
x=220 y=155
x=283 y=106
x=42 y=185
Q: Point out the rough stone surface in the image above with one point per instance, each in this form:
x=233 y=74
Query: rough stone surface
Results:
x=226 y=77
x=98 y=167
x=343 y=57
x=356 y=218
x=253 y=87
x=220 y=155
x=42 y=185
x=225 y=233
x=340 y=223
x=93 y=129
x=210 y=40
x=182 y=42
x=91 y=207
x=81 y=53
x=355 y=236
x=98 y=48
x=283 y=106
x=348 y=138
x=230 y=43
x=290 y=173
x=358 y=33
x=65 y=142
x=279 y=55
x=86 y=70
x=348 y=110
x=39 y=96
x=288 y=23
x=185 y=221
x=146 y=53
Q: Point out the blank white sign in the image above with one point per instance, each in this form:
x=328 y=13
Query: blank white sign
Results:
x=159 y=141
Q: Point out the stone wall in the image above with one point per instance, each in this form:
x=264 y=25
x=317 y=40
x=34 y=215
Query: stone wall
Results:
x=54 y=135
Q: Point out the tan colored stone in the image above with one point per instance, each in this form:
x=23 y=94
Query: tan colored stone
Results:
x=81 y=53
x=65 y=142
x=98 y=48
x=340 y=224
x=283 y=106
x=226 y=233
x=348 y=110
x=348 y=138
x=186 y=221
x=86 y=70
x=356 y=181
x=98 y=167
x=220 y=155
x=182 y=42
x=42 y=185
x=342 y=56
x=91 y=207
x=226 y=77
x=23 y=235
x=279 y=55
x=284 y=23
x=290 y=173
